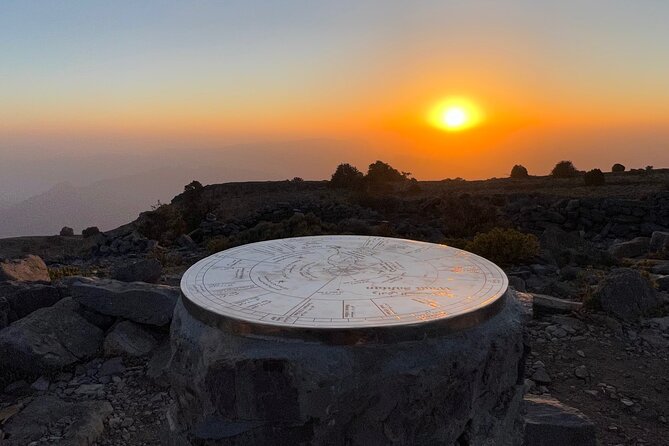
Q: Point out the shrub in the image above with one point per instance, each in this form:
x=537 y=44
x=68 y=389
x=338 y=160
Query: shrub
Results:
x=66 y=271
x=504 y=246
x=66 y=231
x=564 y=169
x=346 y=177
x=617 y=167
x=380 y=172
x=90 y=231
x=519 y=171
x=594 y=177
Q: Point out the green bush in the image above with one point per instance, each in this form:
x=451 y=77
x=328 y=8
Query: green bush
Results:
x=594 y=177
x=504 y=246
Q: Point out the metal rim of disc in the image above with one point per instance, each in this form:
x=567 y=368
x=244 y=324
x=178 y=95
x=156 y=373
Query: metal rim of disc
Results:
x=251 y=276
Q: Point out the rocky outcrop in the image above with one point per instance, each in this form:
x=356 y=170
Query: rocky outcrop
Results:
x=28 y=269
x=72 y=423
x=569 y=248
x=659 y=242
x=128 y=339
x=48 y=339
x=626 y=294
x=25 y=297
x=551 y=423
x=145 y=270
x=636 y=247
x=136 y=301
x=461 y=388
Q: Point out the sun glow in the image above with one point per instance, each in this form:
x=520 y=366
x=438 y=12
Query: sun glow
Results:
x=455 y=114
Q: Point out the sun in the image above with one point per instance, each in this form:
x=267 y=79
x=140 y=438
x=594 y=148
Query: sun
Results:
x=455 y=115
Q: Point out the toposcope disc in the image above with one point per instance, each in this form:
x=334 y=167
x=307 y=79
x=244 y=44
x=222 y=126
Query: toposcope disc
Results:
x=344 y=289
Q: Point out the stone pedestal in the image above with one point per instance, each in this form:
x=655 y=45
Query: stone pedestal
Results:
x=461 y=388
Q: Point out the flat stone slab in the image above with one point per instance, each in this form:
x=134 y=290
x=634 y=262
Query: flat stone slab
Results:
x=129 y=339
x=75 y=424
x=551 y=423
x=136 y=301
x=48 y=339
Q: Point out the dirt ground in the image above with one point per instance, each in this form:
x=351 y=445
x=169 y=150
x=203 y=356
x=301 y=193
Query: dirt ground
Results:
x=624 y=387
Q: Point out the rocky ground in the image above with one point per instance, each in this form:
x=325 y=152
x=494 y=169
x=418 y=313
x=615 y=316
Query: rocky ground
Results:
x=82 y=359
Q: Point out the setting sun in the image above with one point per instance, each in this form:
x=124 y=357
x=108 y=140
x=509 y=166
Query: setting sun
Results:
x=455 y=114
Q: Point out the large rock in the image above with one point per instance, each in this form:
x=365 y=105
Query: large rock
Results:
x=146 y=270
x=129 y=339
x=48 y=339
x=26 y=297
x=626 y=294
x=543 y=305
x=663 y=283
x=27 y=269
x=550 y=423
x=136 y=301
x=659 y=242
x=570 y=248
x=459 y=388
x=4 y=312
x=73 y=423
x=636 y=247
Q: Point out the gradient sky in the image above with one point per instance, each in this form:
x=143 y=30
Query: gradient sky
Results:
x=582 y=80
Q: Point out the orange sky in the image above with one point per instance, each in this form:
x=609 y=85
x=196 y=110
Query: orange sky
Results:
x=582 y=82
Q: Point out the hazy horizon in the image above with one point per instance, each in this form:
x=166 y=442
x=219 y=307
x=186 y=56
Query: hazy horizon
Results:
x=98 y=90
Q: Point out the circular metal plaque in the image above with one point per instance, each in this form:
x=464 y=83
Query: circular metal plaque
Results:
x=344 y=283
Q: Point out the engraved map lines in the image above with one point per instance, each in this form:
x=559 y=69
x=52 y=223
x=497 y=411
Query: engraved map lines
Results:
x=341 y=281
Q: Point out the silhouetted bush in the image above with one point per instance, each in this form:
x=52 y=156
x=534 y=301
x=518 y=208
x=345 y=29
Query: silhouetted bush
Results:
x=594 y=177
x=165 y=224
x=505 y=246
x=564 y=169
x=90 y=231
x=346 y=177
x=194 y=208
x=297 y=180
x=380 y=172
x=617 y=167
x=66 y=231
x=519 y=171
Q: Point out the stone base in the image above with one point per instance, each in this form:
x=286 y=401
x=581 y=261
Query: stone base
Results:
x=458 y=389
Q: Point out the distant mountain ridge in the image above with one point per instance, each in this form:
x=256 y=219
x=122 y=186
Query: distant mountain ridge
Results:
x=111 y=202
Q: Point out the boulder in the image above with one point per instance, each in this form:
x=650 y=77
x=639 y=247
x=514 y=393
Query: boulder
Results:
x=136 y=301
x=25 y=297
x=128 y=339
x=567 y=248
x=543 y=305
x=48 y=339
x=663 y=283
x=4 y=312
x=660 y=268
x=185 y=241
x=626 y=294
x=551 y=423
x=659 y=242
x=73 y=423
x=27 y=269
x=146 y=270
x=636 y=247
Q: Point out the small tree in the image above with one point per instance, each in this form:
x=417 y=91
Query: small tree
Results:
x=346 y=177
x=519 y=171
x=90 y=231
x=380 y=172
x=617 y=167
x=564 y=169
x=594 y=177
